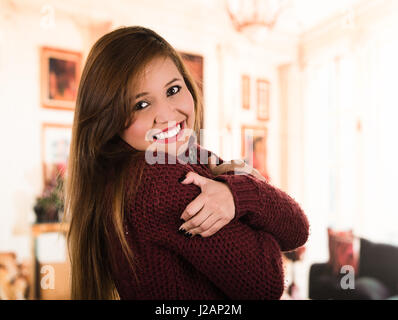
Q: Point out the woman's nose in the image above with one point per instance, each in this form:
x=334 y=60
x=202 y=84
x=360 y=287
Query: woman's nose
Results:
x=166 y=112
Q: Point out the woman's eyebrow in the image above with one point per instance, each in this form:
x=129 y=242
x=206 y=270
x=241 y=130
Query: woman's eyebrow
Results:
x=145 y=93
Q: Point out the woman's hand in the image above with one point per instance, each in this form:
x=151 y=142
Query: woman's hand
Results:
x=239 y=166
x=211 y=210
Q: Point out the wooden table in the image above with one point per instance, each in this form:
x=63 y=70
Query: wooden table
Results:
x=36 y=231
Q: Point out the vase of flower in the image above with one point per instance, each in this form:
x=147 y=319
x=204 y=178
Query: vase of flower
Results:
x=50 y=203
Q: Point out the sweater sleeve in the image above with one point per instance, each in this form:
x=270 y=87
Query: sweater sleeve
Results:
x=244 y=263
x=265 y=207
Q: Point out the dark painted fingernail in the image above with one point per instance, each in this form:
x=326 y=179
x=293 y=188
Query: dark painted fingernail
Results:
x=182 y=230
x=182 y=178
x=188 y=235
x=182 y=220
x=199 y=235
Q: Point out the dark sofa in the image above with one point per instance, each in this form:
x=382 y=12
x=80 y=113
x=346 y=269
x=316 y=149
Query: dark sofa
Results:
x=376 y=279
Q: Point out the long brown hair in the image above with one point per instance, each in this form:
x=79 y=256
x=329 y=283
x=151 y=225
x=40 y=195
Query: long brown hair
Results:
x=94 y=193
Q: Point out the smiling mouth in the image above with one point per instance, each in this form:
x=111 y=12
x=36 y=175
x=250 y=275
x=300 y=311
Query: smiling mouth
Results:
x=169 y=133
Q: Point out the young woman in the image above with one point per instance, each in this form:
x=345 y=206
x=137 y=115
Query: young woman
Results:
x=138 y=230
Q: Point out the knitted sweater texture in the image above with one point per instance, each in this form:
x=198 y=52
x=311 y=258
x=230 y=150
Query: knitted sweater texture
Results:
x=241 y=261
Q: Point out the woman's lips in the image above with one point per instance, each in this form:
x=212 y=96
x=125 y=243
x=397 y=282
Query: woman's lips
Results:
x=174 y=138
x=169 y=129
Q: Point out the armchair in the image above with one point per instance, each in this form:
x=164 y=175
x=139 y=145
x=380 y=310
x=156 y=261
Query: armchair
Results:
x=376 y=279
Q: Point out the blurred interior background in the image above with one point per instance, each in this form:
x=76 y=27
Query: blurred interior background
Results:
x=311 y=83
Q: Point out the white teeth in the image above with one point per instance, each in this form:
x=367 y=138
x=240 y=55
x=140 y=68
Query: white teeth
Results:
x=168 y=134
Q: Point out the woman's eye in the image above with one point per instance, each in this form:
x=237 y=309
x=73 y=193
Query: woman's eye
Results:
x=141 y=105
x=173 y=90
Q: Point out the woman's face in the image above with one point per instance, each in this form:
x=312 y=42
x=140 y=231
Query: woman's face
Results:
x=162 y=101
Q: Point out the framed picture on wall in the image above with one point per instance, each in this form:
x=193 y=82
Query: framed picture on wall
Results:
x=194 y=64
x=245 y=92
x=55 y=144
x=60 y=76
x=254 y=148
x=263 y=99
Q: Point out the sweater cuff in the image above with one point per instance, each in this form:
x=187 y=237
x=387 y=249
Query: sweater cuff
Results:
x=244 y=190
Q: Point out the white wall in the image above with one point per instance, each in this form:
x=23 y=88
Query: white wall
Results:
x=349 y=80
x=22 y=117
x=346 y=77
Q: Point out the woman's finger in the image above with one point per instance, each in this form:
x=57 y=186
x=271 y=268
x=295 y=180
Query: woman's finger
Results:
x=238 y=165
x=206 y=225
x=197 y=220
x=194 y=207
x=222 y=168
x=213 y=229
x=195 y=178
x=212 y=162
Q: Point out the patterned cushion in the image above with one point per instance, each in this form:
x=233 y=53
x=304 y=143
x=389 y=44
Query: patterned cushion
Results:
x=342 y=250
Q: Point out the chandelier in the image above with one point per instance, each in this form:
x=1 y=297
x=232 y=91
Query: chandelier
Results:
x=251 y=14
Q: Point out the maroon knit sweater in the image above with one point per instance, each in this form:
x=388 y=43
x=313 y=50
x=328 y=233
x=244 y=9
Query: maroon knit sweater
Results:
x=243 y=260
